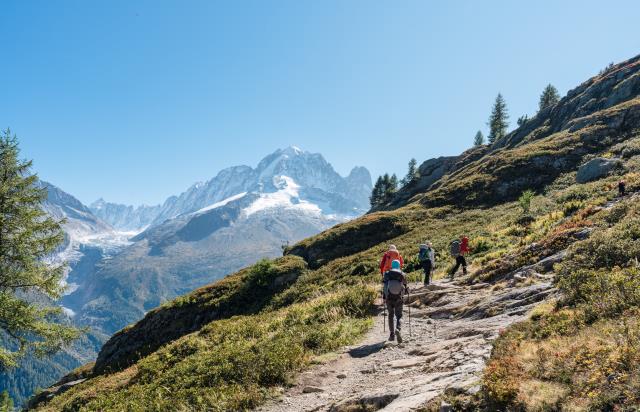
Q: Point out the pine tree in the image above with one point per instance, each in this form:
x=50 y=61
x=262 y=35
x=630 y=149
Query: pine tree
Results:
x=376 y=193
x=479 y=139
x=393 y=183
x=549 y=97
x=412 y=173
x=387 y=193
x=27 y=237
x=6 y=403
x=498 y=121
x=522 y=120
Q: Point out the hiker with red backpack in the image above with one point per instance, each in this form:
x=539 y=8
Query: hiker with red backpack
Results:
x=393 y=290
x=458 y=249
x=388 y=257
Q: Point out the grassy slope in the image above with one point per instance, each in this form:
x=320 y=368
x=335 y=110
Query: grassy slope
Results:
x=582 y=351
x=242 y=344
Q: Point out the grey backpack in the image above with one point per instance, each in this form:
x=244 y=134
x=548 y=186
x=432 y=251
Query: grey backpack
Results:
x=454 y=248
x=395 y=286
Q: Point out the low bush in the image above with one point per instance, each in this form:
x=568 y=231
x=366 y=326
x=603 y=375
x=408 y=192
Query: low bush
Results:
x=584 y=352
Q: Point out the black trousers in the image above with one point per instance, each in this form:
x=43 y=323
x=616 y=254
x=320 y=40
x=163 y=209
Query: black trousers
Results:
x=394 y=307
x=427 y=266
x=460 y=261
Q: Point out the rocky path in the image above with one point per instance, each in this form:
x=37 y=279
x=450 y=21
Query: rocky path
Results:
x=453 y=326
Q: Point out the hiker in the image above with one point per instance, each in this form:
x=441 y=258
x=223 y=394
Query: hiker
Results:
x=389 y=256
x=459 y=248
x=621 y=188
x=427 y=260
x=394 y=288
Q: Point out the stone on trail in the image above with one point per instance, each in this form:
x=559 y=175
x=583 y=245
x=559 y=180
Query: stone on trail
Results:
x=312 y=389
x=406 y=363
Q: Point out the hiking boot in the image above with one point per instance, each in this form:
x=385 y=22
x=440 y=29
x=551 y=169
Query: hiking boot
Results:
x=392 y=337
x=398 y=336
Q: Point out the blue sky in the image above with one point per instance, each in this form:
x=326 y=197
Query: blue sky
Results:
x=134 y=101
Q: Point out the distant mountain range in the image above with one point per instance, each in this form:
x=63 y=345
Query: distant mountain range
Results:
x=318 y=182
x=125 y=260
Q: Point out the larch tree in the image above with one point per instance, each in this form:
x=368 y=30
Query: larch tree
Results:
x=29 y=282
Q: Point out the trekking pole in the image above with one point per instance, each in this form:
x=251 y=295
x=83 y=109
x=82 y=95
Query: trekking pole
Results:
x=409 y=305
x=384 y=316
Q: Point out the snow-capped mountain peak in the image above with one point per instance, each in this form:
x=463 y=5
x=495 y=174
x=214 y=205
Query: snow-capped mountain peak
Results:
x=287 y=196
x=314 y=179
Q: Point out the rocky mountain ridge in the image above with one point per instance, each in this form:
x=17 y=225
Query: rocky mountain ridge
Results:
x=309 y=170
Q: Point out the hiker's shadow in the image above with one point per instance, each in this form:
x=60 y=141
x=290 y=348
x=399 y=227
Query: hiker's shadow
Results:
x=366 y=350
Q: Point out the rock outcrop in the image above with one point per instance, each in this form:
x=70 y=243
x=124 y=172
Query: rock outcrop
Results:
x=596 y=169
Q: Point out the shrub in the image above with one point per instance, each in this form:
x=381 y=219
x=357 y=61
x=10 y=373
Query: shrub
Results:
x=571 y=207
x=501 y=378
x=481 y=244
x=525 y=200
x=602 y=293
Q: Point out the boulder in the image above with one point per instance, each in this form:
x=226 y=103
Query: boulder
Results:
x=597 y=168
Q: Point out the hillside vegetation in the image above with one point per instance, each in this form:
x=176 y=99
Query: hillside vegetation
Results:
x=234 y=344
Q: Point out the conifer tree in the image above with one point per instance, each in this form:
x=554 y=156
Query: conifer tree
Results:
x=549 y=97
x=479 y=139
x=393 y=183
x=376 y=193
x=27 y=237
x=412 y=173
x=6 y=403
x=522 y=120
x=498 y=121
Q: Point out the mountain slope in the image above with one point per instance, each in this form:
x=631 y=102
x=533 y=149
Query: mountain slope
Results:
x=216 y=228
x=320 y=296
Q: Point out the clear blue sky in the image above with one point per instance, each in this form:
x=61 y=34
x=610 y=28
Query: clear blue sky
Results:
x=136 y=100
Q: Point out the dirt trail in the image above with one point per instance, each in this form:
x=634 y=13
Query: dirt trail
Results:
x=452 y=329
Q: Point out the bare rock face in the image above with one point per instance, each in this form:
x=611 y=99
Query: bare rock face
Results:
x=596 y=169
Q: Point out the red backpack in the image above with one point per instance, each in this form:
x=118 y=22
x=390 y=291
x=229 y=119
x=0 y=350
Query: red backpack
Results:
x=389 y=257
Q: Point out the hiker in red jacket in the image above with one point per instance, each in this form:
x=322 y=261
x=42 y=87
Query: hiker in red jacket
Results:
x=389 y=256
x=464 y=245
x=459 y=249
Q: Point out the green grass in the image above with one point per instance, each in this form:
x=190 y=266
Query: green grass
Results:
x=231 y=364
